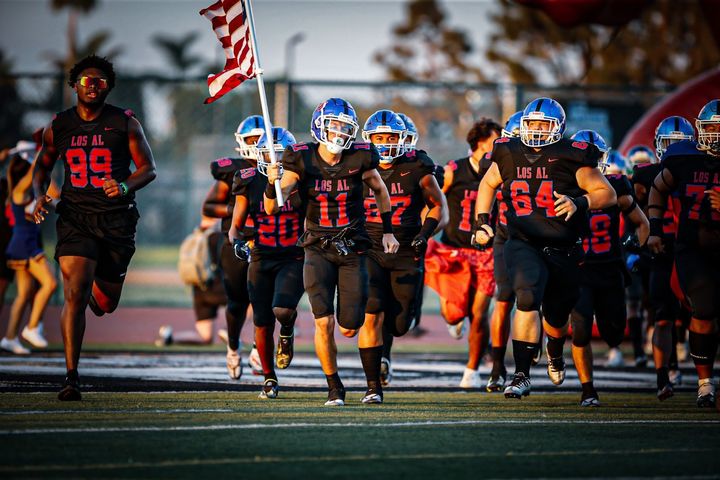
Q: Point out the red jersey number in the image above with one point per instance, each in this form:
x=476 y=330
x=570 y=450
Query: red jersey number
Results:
x=524 y=204
x=600 y=241
x=325 y=220
x=96 y=170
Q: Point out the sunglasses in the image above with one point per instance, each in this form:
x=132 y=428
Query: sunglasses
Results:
x=93 y=82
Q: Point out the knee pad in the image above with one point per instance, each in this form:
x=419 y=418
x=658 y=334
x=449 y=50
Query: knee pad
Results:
x=284 y=315
x=527 y=300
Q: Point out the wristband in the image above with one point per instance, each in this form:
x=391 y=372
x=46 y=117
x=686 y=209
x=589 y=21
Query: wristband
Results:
x=270 y=191
x=482 y=219
x=656 y=227
x=581 y=203
x=387 y=222
x=428 y=227
x=123 y=188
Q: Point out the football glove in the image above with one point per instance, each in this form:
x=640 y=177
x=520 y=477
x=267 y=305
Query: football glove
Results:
x=241 y=249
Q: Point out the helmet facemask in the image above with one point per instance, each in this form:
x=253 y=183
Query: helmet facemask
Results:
x=337 y=132
x=539 y=138
x=388 y=151
x=709 y=141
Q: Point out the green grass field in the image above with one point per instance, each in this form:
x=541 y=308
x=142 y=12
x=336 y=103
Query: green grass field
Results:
x=413 y=435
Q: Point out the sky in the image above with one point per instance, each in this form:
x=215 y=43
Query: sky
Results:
x=340 y=35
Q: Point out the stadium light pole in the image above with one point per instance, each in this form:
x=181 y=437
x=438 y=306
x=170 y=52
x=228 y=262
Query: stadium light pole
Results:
x=290 y=45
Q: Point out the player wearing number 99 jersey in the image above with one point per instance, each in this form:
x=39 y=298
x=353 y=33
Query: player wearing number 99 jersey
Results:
x=97 y=143
x=603 y=274
x=548 y=184
x=330 y=175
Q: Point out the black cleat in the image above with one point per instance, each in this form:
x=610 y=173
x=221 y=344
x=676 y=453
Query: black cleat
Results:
x=665 y=392
x=71 y=390
x=336 y=397
x=706 y=394
x=284 y=354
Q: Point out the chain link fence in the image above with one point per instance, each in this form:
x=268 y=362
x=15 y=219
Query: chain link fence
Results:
x=186 y=135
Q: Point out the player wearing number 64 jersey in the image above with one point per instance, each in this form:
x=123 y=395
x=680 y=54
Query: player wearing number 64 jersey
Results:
x=548 y=184
x=330 y=175
x=97 y=142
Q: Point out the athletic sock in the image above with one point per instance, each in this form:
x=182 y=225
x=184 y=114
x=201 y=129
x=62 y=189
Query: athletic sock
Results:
x=388 y=340
x=588 y=390
x=523 y=353
x=370 y=358
x=287 y=329
x=663 y=377
x=271 y=375
x=334 y=381
x=555 y=346
x=498 y=358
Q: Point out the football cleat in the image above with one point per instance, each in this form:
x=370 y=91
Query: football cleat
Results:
x=641 y=361
x=519 y=386
x=285 y=351
x=706 y=393
x=336 y=397
x=470 y=379
x=13 y=346
x=495 y=384
x=556 y=370
x=373 y=396
x=34 y=336
x=71 y=390
x=386 y=372
x=234 y=363
x=269 y=389
x=665 y=392
x=591 y=400
x=457 y=331
x=614 y=358
x=675 y=377
x=165 y=337
x=254 y=361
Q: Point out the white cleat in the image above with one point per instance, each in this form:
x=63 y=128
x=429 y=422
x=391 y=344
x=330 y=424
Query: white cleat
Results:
x=234 y=363
x=386 y=372
x=556 y=370
x=706 y=393
x=13 y=346
x=254 y=361
x=458 y=330
x=34 y=336
x=470 y=379
x=614 y=358
x=519 y=386
x=590 y=402
x=269 y=389
x=675 y=377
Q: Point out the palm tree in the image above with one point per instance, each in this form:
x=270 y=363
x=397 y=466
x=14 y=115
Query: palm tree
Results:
x=177 y=51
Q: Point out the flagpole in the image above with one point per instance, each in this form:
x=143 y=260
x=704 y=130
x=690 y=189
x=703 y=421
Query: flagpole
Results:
x=263 y=98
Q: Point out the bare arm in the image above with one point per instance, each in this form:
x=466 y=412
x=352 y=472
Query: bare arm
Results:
x=44 y=163
x=216 y=201
x=142 y=159
x=448 y=178
x=483 y=204
x=599 y=192
x=373 y=180
x=636 y=216
x=435 y=199
x=239 y=217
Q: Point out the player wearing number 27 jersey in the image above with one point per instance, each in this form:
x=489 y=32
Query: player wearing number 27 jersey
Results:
x=548 y=184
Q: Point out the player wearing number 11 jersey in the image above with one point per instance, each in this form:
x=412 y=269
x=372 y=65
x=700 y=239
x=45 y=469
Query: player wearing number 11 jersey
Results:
x=548 y=185
x=97 y=142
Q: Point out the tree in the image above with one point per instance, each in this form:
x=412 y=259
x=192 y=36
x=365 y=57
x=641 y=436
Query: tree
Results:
x=176 y=51
x=75 y=7
x=13 y=108
x=426 y=48
x=668 y=43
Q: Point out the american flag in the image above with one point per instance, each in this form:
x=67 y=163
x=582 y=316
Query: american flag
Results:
x=231 y=25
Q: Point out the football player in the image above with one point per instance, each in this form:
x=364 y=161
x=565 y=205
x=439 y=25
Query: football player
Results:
x=330 y=173
x=465 y=280
x=97 y=142
x=603 y=273
x=275 y=273
x=690 y=171
x=219 y=203
x=396 y=280
x=548 y=185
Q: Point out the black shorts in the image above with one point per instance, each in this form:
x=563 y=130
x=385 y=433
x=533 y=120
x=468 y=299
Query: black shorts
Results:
x=107 y=238
x=324 y=273
x=602 y=295
x=396 y=283
x=274 y=282
x=699 y=275
x=207 y=302
x=662 y=299
x=504 y=291
x=544 y=277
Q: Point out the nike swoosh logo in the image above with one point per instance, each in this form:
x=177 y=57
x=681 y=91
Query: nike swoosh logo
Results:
x=353 y=171
x=109 y=129
x=402 y=174
x=551 y=160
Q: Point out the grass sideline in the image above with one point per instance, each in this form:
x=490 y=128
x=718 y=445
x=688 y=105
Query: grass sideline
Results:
x=413 y=435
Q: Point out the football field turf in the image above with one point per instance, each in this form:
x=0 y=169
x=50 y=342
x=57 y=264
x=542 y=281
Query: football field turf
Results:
x=413 y=435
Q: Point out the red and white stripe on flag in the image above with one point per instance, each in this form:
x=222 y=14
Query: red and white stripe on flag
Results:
x=230 y=23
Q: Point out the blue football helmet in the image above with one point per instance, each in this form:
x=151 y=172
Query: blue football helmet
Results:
x=709 y=116
x=641 y=154
x=334 y=123
x=594 y=138
x=412 y=136
x=614 y=164
x=670 y=130
x=386 y=121
x=512 y=126
x=282 y=138
x=542 y=109
x=252 y=126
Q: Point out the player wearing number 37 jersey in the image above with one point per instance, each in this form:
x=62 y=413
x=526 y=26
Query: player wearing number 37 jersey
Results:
x=97 y=143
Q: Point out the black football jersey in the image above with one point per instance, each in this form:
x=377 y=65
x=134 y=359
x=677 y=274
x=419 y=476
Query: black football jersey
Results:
x=273 y=234
x=402 y=180
x=223 y=170
x=603 y=242
x=91 y=152
x=694 y=172
x=461 y=201
x=529 y=179
x=644 y=174
x=334 y=193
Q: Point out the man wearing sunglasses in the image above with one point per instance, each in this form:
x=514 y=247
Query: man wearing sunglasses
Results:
x=97 y=143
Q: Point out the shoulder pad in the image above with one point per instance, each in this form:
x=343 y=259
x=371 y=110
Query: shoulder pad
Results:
x=222 y=166
x=424 y=158
x=502 y=140
x=453 y=165
x=299 y=146
x=411 y=154
x=580 y=145
x=361 y=146
x=129 y=113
